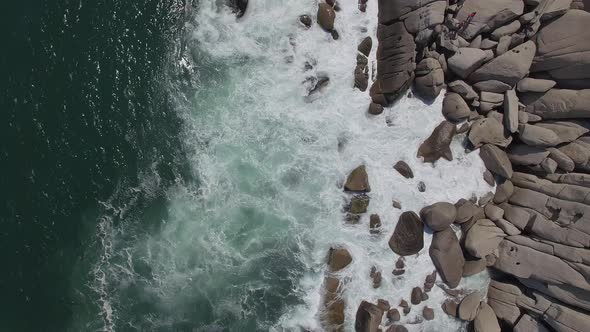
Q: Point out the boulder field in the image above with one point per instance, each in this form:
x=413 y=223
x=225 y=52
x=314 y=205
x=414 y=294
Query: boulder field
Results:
x=517 y=75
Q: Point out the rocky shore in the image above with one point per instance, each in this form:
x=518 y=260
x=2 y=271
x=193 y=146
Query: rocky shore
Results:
x=517 y=79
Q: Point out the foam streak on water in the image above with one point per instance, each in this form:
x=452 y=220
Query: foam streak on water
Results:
x=245 y=249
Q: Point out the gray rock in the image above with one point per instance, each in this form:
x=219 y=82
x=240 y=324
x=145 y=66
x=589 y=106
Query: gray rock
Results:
x=486 y=320
x=490 y=15
x=395 y=59
x=511 y=111
x=503 y=45
x=503 y=192
x=563 y=161
x=437 y=145
x=523 y=117
x=469 y=306
x=528 y=84
x=466 y=210
x=505 y=30
x=392 y=11
x=426 y=16
x=476 y=42
x=438 y=216
x=463 y=89
x=521 y=154
x=466 y=60
x=496 y=115
x=492 y=86
x=483 y=238
x=454 y=108
x=549 y=165
x=564 y=50
x=537 y=136
x=507 y=227
x=496 y=160
x=528 y=324
x=488 y=177
x=488 y=131
x=408 y=236
x=509 y=67
x=493 y=212
x=491 y=97
x=558 y=104
x=447 y=256
x=488 y=44
x=566 y=131
x=473 y=267
x=579 y=153
x=429 y=78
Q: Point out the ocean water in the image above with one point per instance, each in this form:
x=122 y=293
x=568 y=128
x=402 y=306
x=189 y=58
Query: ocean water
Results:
x=197 y=186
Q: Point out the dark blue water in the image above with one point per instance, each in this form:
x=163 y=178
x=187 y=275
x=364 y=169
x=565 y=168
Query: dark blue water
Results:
x=86 y=112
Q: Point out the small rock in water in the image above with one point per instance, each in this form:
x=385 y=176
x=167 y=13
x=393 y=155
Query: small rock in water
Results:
x=377 y=279
x=400 y=263
x=424 y=296
x=305 y=20
x=396 y=204
x=350 y=218
x=398 y=272
x=374 y=224
x=421 y=186
x=404 y=169
x=335 y=34
x=416 y=297
x=358 y=180
x=359 y=204
x=428 y=313
x=393 y=315
x=318 y=84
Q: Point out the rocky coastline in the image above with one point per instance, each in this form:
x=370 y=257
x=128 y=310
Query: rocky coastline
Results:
x=517 y=80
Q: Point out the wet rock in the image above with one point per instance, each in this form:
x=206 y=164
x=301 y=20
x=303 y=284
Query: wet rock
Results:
x=336 y=36
x=488 y=131
x=398 y=272
x=428 y=313
x=509 y=67
x=396 y=328
x=466 y=60
x=305 y=20
x=408 y=236
x=437 y=145
x=326 y=16
x=350 y=218
x=375 y=109
x=438 y=216
x=399 y=264
x=404 y=169
x=338 y=259
x=454 y=108
x=359 y=204
x=374 y=224
x=365 y=46
x=377 y=278
x=396 y=204
x=421 y=186
x=450 y=307
x=469 y=306
x=358 y=180
x=393 y=315
x=447 y=257
x=333 y=314
x=416 y=296
x=368 y=317
x=238 y=7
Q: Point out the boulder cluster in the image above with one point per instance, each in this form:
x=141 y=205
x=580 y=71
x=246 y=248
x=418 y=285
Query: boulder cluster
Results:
x=517 y=74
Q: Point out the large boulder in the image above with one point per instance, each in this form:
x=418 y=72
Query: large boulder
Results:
x=509 y=67
x=486 y=320
x=489 y=15
x=395 y=59
x=437 y=145
x=564 y=50
x=425 y=17
x=338 y=259
x=466 y=60
x=439 y=216
x=558 y=103
x=429 y=79
x=368 y=317
x=326 y=16
x=447 y=256
x=390 y=11
x=455 y=108
x=489 y=131
x=358 y=180
x=408 y=236
x=496 y=160
x=483 y=238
